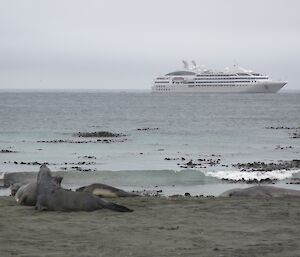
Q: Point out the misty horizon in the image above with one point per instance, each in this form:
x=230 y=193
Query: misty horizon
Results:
x=120 y=46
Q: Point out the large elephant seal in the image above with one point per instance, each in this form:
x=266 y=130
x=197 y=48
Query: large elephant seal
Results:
x=261 y=191
x=53 y=198
x=26 y=194
x=102 y=190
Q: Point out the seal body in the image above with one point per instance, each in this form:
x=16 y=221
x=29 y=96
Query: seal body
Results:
x=102 y=190
x=26 y=194
x=53 y=198
x=261 y=191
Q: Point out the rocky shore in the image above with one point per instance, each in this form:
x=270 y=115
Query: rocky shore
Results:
x=98 y=137
x=262 y=166
x=251 y=181
x=98 y=134
x=7 y=151
x=295 y=131
x=295 y=134
x=203 y=162
x=146 y=129
x=69 y=141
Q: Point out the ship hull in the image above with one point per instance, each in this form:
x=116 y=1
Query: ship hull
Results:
x=259 y=87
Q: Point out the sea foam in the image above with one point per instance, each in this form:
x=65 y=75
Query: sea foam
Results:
x=259 y=175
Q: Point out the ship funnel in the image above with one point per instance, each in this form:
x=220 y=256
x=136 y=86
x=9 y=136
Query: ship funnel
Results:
x=185 y=65
x=195 y=66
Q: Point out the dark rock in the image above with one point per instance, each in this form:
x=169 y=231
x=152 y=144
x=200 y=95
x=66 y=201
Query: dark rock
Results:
x=170 y=159
x=88 y=157
x=146 y=129
x=250 y=181
x=7 y=151
x=190 y=163
x=279 y=147
x=282 y=127
x=262 y=166
x=83 y=142
x=98 y=134
x=295 y=134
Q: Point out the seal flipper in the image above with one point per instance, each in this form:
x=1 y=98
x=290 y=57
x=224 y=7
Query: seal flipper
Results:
x=117 y=207
x=114 y=207
x=39 y=207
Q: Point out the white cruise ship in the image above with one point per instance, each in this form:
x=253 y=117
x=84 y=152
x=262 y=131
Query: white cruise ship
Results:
x=196 y=79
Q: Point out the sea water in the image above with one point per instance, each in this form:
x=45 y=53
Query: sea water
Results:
x=229 y=127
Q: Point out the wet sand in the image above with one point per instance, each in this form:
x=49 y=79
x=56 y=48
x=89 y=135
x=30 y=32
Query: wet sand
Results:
x=157 y=227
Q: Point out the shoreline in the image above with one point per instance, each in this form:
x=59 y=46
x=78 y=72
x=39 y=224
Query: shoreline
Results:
x=157 y=227
x=214 y=187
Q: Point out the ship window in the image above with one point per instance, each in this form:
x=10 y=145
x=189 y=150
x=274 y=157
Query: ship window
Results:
x=243 y=74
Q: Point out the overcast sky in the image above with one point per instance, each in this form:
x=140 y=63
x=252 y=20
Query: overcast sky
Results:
x=61 y=44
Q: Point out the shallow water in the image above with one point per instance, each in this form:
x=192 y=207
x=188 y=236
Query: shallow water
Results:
x=231 y=127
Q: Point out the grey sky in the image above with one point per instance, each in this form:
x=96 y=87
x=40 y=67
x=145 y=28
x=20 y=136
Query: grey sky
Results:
x=124 y=44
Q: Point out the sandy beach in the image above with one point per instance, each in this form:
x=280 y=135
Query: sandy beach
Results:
x=158 y=227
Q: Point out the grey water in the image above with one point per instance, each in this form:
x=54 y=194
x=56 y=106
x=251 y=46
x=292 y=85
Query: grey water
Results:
x=231 y=127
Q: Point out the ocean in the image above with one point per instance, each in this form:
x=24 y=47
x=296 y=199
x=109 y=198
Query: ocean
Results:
x=160 y=134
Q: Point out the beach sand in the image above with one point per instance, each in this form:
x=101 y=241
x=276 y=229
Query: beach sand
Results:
x=157 y=227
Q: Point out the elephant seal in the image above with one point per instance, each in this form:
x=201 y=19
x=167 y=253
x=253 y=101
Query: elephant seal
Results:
x=261 y=191
x=102 y=190
x=14 y=188
x=53 y=198
x=26 y=194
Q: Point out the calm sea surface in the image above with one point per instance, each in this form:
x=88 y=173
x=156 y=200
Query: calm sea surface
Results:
x=231 y=127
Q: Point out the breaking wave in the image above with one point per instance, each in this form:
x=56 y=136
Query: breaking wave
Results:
x=259 y=175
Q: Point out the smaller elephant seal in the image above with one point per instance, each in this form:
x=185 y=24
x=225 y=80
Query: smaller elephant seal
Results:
x=27 y=194
x=106 y=191
x=261 y=191
x=14 y=188
x=54 y=198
